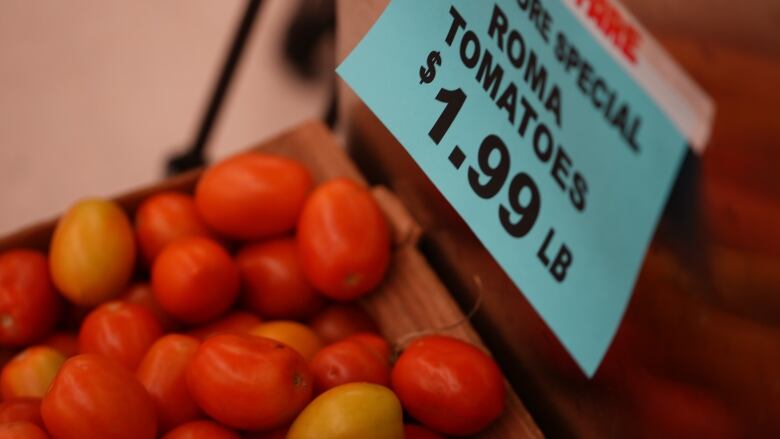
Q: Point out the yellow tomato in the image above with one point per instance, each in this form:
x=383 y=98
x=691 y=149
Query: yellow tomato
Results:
x=295 y=335
x=29 y=374
x=92 y=252
x=351 y=411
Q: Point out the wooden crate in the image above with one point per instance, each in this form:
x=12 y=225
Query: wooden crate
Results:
x=411 y=298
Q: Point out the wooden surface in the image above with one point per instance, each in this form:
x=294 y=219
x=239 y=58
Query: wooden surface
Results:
x=411 y=298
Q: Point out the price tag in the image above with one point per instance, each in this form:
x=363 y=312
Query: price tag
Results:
x=556 y=129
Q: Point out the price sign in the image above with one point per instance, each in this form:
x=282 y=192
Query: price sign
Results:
x=555 y=128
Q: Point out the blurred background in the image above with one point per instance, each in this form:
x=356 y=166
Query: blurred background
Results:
x=95 y=96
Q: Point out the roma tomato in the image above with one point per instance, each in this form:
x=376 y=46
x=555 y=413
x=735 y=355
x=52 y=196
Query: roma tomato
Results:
x=95 y=397
x=345 y=362
x=143 y=295
x=28 y=302
x=202 y=430
x=30 y=373
x=92 y=252
x=343 y=240
x=253 y=195
x=162 y=372
x=238 y=322
x=357 y=410
x=21 y=409
x=339 y=321
x=249 y=382
x=417 y=432
x=164 y=218
x=375 y=343
x=293 y=334
x=67 y=343
x=274 y=285
x=195 y=280
x=21 y=430
x=120 y=330
x=449 y=385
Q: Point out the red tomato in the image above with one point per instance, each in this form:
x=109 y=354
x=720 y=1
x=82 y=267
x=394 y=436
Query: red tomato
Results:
x=343 y=240
x=279 y=433
x=253 y=195
x=417 y=432
x=95 y=397
x=92 y=252
x=339 y=321
x=120 y=330
x=249 y=382
x=195 y=280
x=238 y=322
x=162 y=372
x=273 y=282
x=21 y=409
x=21 y=430
x=30 y=373
x=202 y=430
x=345 y=362
x=164 y=218
x=66 y=343
x=449 y=385
x=143 y=295
x=28 y=302
x=375 y=343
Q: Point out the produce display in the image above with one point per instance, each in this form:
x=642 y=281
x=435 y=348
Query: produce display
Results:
x=230 y=312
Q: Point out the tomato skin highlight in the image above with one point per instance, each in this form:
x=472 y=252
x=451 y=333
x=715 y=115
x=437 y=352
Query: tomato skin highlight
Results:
x=449 y=385
x=120 y=330
x=28 y=303
x=94 y=396
x=165 y=217
x=253 y=195
x=343 y=240
x=201 y=430
x=163 y=373
x=92 y=252
x=346 y=362
x=29 y=373
x=195 y=280
x=274 y=285
x=249 y=382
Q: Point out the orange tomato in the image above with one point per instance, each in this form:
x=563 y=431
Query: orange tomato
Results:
x=21 y=409
x=120 y=330
x=21 y=430
x=237 y=322
x=202 y=430
x=249 y=382
x=92 y=252
x=345 y=362
x=449 y=385
x=164 y=218
x=339 y=321
x=30 y=373
x=66 y=343
x=253 y=195
x=142 y=294
x=93 y=396
x=343 y=240
x=274 y=285
x=417 y=432
x=293 y=334
x=28 y=302
x=162 y=372
x=195 y=280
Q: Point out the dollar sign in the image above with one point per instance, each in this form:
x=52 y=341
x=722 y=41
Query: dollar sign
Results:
x=427 y=74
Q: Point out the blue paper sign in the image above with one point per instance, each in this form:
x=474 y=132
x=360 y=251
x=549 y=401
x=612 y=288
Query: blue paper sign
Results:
x=556 y=130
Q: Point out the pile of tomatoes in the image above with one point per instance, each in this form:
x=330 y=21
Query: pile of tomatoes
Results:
x=226 y=313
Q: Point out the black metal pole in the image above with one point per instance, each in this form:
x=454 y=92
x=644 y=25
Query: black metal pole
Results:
x=194 y=157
